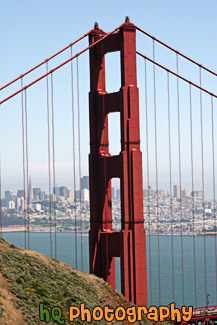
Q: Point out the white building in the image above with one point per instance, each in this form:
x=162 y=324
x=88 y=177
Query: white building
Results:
x=85 y=195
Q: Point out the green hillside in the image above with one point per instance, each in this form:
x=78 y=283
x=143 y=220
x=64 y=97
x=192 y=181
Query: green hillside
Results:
x=28 y=279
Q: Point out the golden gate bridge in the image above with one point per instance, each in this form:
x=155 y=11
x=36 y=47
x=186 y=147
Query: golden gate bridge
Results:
x=129 y=244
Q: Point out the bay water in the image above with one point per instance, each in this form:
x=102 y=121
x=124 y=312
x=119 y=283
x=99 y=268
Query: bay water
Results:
x=66 y=243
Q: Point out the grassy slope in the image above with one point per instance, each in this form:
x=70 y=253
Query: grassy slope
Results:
x=28 y=278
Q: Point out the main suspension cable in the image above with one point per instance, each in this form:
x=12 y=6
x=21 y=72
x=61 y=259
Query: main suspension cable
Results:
x=45 y=61
x=60 y=65
x=175 y=74
x=177 y=52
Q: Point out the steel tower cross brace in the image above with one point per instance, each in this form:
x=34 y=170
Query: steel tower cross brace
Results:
x=130 y=243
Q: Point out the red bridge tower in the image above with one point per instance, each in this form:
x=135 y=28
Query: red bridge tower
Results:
x=130 y=243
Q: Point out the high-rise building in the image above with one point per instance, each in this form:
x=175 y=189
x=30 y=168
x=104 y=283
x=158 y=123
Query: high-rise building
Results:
x=113 y=193
x=118 y=194
x=198 y=194
x=85 y=182
x=185 y=193
x=85 y=195
x=36 y=193
x=70 y=194
x=63 y=190
x=20 y=193
x=177 y=191
x=8 y=195
x=30 y=190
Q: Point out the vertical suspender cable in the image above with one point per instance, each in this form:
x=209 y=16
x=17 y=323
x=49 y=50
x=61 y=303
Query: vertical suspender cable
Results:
x=171 y=196
x=48 y=149
x=202 y=175
x=148 y=179
x=54 y=170
x=24 y=175
x=192 y=196
x=213 y=173
x=105 y=187
x=27 y=168
x=79 y=154
x=180 y=179
x=156 y=169
x=0 y=199
x=73 y=140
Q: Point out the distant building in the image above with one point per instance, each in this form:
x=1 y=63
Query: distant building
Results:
x=177 y=191
x=20 y=193
x=63 y=190
x=85 y=182
x=118 y=194
x=30 y=190
x=197 y=194
x=148 y=191
x=85 y=195
x=113 y=193
x=8 y=195
x=37 y=207
x=185 y=193
x=42 y=196
x=162 y=193
x=11 y=205
x=36 y=193
x=70 y=194
x=56 y=189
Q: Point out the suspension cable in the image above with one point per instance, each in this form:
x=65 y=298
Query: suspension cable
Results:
x=156 y=170
x=27 y=168
x=79 y=155
x=74 y=177
x=177 y=52
x=49 y=172
x=175 y=74
x=214 y=200
x=24 y=176
x=45 y=61
x=60 y=65
x=180 y=178
x=192 y=197
x=171 y=196
x=202 y=175
x=0 y=200
x=148 y=179
x=54 y=169
x=106 y=186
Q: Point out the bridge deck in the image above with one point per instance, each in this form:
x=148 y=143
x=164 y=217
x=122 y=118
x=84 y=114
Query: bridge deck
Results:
x=200 y=314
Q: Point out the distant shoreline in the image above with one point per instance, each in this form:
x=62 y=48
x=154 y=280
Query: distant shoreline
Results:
x=46 y=230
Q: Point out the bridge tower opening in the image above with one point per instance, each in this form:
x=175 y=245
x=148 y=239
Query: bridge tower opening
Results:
x=130 y=243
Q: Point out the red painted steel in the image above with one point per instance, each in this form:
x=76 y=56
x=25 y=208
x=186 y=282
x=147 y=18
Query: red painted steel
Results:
x=130 y=243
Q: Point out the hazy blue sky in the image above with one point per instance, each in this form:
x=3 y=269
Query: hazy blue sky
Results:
x=31 y=31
